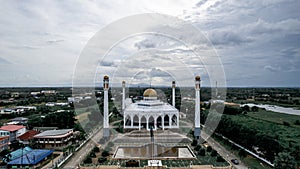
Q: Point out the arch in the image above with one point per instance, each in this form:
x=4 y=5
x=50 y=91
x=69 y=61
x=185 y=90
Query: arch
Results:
x=143 y=122
x=166 y=120
x=151 y=122
x=174 y=120
x=159 y=122
x=135 y=120
x=127 y=120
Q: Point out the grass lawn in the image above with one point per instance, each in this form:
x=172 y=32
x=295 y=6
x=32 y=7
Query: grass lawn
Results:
x=275 y=117
x=285 y=134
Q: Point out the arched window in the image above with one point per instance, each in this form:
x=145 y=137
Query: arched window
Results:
x=159 y=122
x=174 y=120
x=135 y=120
x=151 y=122
x=143 y=122
x=127 y=121
x=166 y=120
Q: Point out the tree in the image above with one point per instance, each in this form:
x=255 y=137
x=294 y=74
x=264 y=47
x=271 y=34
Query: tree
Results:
x=202 y=152
x=208 y=149
x=220 y=159
x=242 y=153
x=92 y=154
x=284 y=161
x=194 y=143
x=197 y=148
x=105 y=153
x=101 y=160
x=297 y=122
x=88 y=160
x=96 y=149
x=213 y=153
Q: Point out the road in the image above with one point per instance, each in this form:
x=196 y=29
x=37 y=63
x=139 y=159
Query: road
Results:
x=84 y=151
x=223 y=151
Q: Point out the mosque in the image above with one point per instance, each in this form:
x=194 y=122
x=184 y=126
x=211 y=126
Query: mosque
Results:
x=150 y=113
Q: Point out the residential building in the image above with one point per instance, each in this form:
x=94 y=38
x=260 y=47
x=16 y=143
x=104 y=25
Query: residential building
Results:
x=4 y=143
x=28 y=158
x=27 y=137
x=14 y=131
x=19 y=120
x=54 y=139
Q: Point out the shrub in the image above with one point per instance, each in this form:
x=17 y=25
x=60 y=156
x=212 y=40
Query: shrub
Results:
x=286 y=123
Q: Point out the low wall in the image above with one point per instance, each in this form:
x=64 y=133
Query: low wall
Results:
x=192 y=167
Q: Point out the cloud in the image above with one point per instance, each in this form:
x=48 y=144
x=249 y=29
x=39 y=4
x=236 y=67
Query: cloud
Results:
x=227 y=37
x=257 y=38
x=145 y=44
x=4 y=61
x=272 y=68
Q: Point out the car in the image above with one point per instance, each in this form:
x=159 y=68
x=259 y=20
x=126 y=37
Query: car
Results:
x=235 y=161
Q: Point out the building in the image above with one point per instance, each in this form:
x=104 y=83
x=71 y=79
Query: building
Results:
x=27 y=137
x=4 y=140
x=19 y=120
x=151 y=112
x=14 y=131
x=27 y=157
x=54 y=139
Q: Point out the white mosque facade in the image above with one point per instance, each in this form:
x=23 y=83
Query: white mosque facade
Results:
x=150 y=113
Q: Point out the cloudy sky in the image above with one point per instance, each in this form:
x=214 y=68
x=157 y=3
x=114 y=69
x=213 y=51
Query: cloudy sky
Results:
x=258 y=41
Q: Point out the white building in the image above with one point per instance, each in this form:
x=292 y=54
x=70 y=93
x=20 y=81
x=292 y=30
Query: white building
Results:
x=150 y=113
x=14 y=131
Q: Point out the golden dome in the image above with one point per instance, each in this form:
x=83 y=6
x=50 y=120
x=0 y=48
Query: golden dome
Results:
x=150 y=93
x=105 y=77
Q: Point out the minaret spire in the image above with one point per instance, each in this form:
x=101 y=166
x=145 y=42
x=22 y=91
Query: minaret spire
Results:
x=197 y=107
x=173 y=93
x=123 y=96
x=105 y=107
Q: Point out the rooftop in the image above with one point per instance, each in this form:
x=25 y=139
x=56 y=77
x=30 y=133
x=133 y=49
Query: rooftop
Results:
x=28 y=135
x=12 y=127
x=30 y=156
x=54 y=133
x=19 y=119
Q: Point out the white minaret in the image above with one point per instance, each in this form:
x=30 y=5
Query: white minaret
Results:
x=173 y=93
x=105 y=107
x=123 y=96
x=197 y=107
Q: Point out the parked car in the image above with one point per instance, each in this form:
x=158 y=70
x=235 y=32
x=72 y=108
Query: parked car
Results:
x=235 y=161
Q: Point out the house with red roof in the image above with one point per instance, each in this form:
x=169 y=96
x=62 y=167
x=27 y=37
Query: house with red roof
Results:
x=27 y=137
x=14 y=131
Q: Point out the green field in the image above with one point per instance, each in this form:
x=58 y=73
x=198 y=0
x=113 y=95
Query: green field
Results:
x=274 y=117
x=271 y=132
